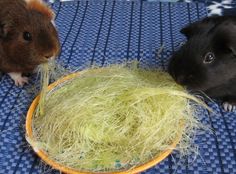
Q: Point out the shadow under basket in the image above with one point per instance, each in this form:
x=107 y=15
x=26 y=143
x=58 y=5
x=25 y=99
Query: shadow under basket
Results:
x=65 y=169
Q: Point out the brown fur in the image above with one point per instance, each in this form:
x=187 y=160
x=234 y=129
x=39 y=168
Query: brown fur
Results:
x=17 y=17
x=39 y=6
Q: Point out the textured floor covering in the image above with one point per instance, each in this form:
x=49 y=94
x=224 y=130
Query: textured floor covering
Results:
x=105 y=32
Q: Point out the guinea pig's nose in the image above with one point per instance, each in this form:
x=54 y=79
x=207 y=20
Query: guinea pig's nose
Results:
x=48 y=55
x=180 y=79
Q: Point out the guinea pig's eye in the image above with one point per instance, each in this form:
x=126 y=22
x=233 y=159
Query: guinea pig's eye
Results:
x=27 y=36
x=209 y=58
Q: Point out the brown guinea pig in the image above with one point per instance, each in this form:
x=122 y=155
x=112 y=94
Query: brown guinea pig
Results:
x=27 y=37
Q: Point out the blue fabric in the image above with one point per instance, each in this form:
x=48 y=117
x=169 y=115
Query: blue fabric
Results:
x=101 y=33
x=214 y=7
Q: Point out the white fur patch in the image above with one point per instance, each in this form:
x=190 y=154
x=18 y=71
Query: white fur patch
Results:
x=18 y=79
x=228 y=107
x=53 y=23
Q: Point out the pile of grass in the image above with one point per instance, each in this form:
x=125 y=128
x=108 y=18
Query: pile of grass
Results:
x=114 y=118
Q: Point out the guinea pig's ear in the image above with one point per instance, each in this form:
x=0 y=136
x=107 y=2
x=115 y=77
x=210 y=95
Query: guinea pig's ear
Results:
x=198 y=27
x=40 y=6
x=189 y=30
x=204 y=26
x=225 y=39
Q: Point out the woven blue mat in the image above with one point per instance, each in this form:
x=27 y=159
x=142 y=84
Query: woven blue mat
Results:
x=101 y=33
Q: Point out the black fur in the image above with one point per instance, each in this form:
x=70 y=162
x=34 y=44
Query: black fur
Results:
x=216 y=35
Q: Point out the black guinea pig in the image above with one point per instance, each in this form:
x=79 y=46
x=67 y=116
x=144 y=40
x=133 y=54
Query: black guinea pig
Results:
x=207 y=61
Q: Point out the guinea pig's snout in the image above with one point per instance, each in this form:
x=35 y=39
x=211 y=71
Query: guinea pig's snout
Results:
x=184 y=79
x=180 y=79
x=49 y=55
